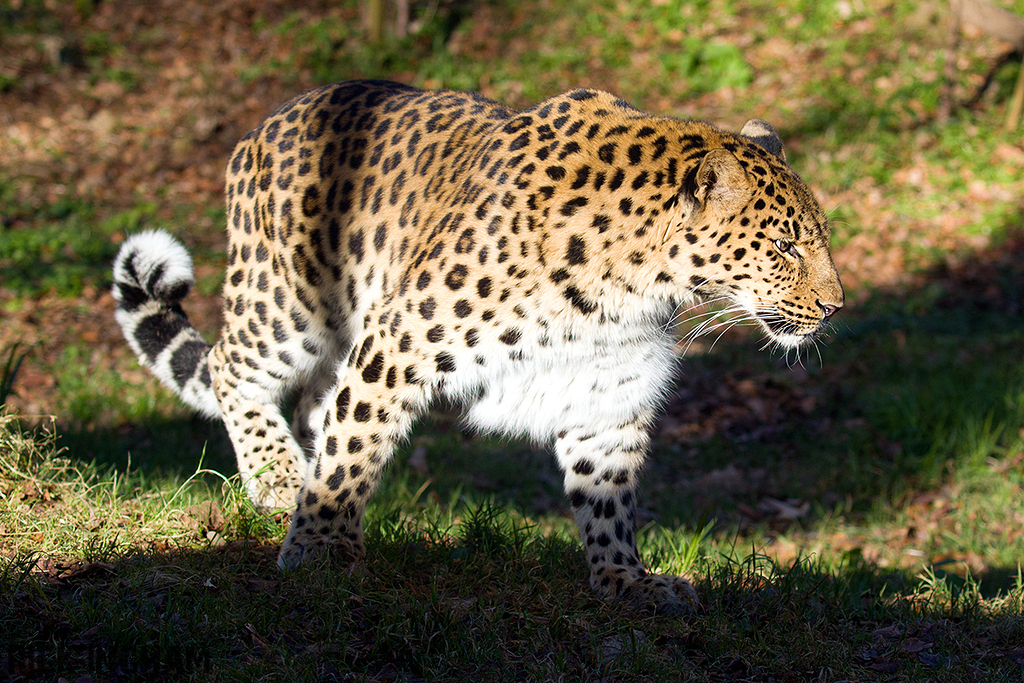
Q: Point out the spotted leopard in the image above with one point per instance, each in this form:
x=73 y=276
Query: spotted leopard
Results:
x=393 y=248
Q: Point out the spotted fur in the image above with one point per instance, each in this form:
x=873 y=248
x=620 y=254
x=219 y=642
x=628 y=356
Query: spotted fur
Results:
x=392 y=248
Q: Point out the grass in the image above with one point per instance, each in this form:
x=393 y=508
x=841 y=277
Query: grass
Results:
x=866 y=511
x=62 y=246
x=167 y=587
x=574 y=42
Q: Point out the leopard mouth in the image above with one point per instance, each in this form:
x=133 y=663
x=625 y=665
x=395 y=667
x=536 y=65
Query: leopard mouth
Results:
x=790 y=332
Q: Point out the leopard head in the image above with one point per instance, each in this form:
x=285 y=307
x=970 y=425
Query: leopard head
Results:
x=748 y=231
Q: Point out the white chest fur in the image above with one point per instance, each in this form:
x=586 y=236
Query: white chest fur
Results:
x=596 y=381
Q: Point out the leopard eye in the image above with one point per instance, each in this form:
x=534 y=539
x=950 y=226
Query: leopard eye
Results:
x=786 y=247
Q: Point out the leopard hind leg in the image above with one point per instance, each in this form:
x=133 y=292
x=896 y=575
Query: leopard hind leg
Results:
x=270 y=347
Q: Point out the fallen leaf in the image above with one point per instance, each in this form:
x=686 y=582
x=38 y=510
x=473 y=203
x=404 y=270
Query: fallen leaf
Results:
x=215 y=539
x=418 y=460
x=889 y=632
x=205 y=516
x=915 y=645
x=614 y=646
x=791 y=509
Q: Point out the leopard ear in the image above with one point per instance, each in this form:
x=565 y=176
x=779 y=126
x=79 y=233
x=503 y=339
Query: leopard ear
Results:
x=721 y=182
x=765 y=135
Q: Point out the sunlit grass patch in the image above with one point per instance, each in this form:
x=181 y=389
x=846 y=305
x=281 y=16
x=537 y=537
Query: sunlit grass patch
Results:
x=61 y=247
x=54 y=508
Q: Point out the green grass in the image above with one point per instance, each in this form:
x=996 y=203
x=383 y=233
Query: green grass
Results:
x=449 y=589
x=575 y=43
x=62 y=246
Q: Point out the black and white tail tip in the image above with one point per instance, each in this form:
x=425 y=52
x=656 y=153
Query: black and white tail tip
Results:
x=152 y=274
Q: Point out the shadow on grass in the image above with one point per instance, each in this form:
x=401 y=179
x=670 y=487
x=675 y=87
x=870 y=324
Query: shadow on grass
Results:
x=155 y=448
x=486 y=602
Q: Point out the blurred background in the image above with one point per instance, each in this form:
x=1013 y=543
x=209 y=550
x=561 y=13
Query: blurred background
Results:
x=899 y=439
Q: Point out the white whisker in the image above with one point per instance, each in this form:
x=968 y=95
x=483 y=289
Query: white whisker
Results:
x=702 y=304
x=713 y=324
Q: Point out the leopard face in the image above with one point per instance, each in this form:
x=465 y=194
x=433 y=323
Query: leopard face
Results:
x=392 y=250
x=761 y=242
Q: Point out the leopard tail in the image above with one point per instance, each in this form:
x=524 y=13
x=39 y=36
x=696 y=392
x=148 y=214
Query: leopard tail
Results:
x=152 y=274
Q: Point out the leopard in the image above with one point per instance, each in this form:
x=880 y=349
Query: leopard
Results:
x=392 y=249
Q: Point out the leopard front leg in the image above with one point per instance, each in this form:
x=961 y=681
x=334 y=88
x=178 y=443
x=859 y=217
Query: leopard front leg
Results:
x=365 y=414
x=601 y=471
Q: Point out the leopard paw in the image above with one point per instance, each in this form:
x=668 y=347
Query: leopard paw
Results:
x=658 y=594
x=294 y=554
x=301 y=548
x=668 y=596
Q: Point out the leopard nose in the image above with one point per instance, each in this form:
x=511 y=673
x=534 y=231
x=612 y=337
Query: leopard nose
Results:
x=828 y=310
